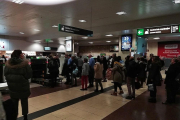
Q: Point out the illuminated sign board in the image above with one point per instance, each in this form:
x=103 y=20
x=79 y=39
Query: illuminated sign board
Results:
x=126 y=42
x=159 y=30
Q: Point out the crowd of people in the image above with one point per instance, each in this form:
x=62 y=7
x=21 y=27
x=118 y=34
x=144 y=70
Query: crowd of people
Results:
x=17 y=72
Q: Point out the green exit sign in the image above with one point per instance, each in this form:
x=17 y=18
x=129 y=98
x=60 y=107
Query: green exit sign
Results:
x=140 y=32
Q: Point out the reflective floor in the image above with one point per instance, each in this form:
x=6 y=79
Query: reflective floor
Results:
x=66 y=103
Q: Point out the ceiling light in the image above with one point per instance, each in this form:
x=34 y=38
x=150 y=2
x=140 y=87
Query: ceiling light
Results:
x=109 y=35
x=108 y=41
x=36 y=30
x=54 y=26
x=121 y=13
x=21 y=32
x=176 y=1
x=156 y=38
x=91 y=42
x=43 y=2
x=82 y=20
x=85 y=37
x=18 y=1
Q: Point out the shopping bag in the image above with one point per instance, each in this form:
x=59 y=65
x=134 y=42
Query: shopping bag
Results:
x=150 y=87
x=109 y=75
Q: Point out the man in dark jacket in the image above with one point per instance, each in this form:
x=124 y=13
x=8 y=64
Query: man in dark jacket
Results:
x=17 y=72
x=171 y=84
x=131 y=74
x=53 y=70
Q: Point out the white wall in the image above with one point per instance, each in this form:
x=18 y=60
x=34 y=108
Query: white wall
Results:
x=28 y=46
x=152 y=46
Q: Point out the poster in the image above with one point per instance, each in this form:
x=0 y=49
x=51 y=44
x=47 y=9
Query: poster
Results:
x=69 y=46
x=126 y=42
x=169 y=49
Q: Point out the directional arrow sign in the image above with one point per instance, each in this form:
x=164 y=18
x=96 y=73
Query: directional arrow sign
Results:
x=140 y=32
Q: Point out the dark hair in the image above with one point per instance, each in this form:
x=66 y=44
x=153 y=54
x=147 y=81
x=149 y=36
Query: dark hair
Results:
x=85 y=60
x=80 y=56
x=16 y=54
x=69 y=55
x=155 y=59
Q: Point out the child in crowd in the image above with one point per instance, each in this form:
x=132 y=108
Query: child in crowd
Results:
x=85 y=73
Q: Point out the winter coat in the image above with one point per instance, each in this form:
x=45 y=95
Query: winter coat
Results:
x=17 y=73
x=132 y=69
x=85 y=69
x=154 y=73
x=53 y=66
x=2 y=112
x=105 y=65
x=65 y=67
x=98 y=70
x=117 y=72
x=172 y=73
x=141 y=70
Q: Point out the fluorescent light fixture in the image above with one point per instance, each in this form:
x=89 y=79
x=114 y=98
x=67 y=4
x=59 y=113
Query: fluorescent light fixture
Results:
x=156 y=38
x=91 y=42
x=109 y=35
x=21 y=32
x=108 y=41
x=121 y=13
x=54 y=26
x=45 y=2
x=82 y=20
x=85 y=37
x=36 y=30
x=176 y=1
x=18 y=1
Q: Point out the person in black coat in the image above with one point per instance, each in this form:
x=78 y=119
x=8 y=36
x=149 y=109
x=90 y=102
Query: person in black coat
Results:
x=105 y=67
x=171 y=84
x=153 y=78
x=141 y=71
x=131 y=74
x=149 y=62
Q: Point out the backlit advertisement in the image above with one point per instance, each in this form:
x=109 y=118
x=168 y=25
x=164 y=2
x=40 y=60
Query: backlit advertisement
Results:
x=126 y=42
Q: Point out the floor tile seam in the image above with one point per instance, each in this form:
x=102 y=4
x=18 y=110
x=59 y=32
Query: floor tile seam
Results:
x=59 y=106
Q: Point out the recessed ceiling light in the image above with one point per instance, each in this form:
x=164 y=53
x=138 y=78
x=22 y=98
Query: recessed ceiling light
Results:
x=91 y=42
x=21 y=32
x=18 y=1
x=121 y=13
x=156 y=38
x=44 y=2
x=108 y=41
x=54 y=26
x=176 y=1
x=36 y=30
x=82 y=20
x=85 y=37
x=109 y=35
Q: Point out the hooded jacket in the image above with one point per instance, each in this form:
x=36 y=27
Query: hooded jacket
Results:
x=117 y=72
x=17 y=73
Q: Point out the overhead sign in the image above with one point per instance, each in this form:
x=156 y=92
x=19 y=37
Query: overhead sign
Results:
x=74 y=30
x=159 y=30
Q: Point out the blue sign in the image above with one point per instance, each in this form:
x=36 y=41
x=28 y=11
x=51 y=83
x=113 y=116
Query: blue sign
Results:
x=126 y=42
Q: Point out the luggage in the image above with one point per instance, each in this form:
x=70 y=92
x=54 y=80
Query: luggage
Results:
x=137 y=85
x=9 y=109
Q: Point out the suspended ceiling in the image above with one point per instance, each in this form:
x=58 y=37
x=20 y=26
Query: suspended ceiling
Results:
x=100 y=15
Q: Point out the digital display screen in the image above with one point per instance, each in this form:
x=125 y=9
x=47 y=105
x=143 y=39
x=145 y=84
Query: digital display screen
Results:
x=50 y=49
x=126 y=42
x=47 y=48
x=69 y=46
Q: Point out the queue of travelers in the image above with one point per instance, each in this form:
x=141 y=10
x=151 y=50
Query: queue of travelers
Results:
x=17 y=72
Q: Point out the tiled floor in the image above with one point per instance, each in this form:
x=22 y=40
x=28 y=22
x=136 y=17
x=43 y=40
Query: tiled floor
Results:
x=94 y=108
x=66 y=103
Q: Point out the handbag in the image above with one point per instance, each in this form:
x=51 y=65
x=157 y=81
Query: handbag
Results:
x=150 y=87
x=109 y=74
x=75 y=72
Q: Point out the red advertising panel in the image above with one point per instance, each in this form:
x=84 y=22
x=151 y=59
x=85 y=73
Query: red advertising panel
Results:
x=169 y=49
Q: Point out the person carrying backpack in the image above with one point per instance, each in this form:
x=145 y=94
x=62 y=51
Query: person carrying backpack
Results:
x=53 y=70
